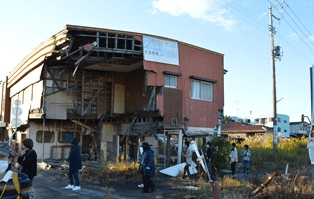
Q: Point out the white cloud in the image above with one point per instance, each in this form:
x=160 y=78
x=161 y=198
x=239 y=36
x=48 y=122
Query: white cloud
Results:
x=262 y=15
x=311 y=38
x=206 y=10
x=292 y=35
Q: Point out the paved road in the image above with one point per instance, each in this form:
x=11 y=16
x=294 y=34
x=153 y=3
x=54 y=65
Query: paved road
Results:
x=47 y=185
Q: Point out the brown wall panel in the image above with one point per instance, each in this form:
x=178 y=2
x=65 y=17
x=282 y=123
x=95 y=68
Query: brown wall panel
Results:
x=172 y=105
x=135 y=101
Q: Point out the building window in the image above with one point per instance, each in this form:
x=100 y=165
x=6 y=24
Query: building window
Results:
x=279 y=129
x=170 y=81
x=66 y=137
x=201 y=90
x=285 y=121
x=49 y=136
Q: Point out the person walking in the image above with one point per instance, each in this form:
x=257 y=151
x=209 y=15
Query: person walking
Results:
x=75 y=165
x=188 y=161
x=12 y=184
x=28 y=159
x=233 y=159
x=147 y=168
x=246 y=156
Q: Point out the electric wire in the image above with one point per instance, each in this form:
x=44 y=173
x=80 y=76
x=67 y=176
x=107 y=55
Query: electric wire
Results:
x=310 y=34
x=245 y=12
x=255 y=25
x=294 y=22
x=293 y=47
x=295 y=31
x=239 y=11
x=292 y=27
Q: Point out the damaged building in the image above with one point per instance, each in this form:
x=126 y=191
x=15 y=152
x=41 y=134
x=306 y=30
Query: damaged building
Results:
x=110 y=89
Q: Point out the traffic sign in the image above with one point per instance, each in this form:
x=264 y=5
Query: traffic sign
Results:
x=16 y=122
x=17 y=111
x=17 y=102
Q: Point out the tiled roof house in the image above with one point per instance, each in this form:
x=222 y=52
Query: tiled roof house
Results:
x=239 y=130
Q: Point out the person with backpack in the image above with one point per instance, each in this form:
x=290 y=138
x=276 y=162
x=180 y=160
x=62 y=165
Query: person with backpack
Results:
x=28 y=159
x=75 y=162
x=246 y=156
x=12 y=184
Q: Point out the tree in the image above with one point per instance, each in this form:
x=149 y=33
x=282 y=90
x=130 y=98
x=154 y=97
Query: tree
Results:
x=227 y=119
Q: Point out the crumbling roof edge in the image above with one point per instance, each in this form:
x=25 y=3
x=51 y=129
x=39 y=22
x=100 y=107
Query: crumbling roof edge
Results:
x=73 y=27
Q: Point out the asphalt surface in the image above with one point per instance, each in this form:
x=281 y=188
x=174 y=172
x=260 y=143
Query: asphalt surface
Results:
x=47 y=184
x=50 y=184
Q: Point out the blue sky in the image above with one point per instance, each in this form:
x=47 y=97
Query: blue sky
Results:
x=236 y=28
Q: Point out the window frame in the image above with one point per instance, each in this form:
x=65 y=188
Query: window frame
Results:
x=40 y=139
x=64 y=134
x=171 y=86
x=200 y=94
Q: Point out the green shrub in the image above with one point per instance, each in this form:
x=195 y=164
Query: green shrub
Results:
x=221 y=149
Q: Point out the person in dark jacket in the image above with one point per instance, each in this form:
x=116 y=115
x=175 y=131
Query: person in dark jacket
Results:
x=28 y=159
x=75 y=165
x=147 y=168
x=12 y=184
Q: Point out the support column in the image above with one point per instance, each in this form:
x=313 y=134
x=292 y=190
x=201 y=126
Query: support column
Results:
x=168 y=150
x=103 y=150
x=180 y=144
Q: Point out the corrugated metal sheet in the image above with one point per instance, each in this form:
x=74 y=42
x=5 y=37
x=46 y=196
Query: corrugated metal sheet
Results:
x=29 y=79
x=35 y=58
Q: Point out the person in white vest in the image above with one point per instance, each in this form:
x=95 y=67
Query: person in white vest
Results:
x=246 y=157
x=233 y=159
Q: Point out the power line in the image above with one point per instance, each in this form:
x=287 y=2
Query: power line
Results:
x=292 y=28
x=301 y=53
x=295 y=22
x=310 y=34
x=245 y=12
x=241 y=16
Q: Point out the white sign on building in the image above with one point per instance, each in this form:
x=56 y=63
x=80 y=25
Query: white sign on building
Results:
x=159 y=50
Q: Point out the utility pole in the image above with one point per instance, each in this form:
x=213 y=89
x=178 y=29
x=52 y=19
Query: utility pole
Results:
x=275 y=53
x=237 y=109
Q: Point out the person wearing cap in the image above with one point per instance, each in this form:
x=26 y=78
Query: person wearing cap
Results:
x=75 y=162
x=28 y=159
x=12 y=184
x=147 y=168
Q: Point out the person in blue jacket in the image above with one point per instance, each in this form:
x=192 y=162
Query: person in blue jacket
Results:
x=75 y=165
x=147 y=168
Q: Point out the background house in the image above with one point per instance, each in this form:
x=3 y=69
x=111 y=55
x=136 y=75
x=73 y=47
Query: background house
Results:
x=298 y=129
x=283 y=124
x=239 y=130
